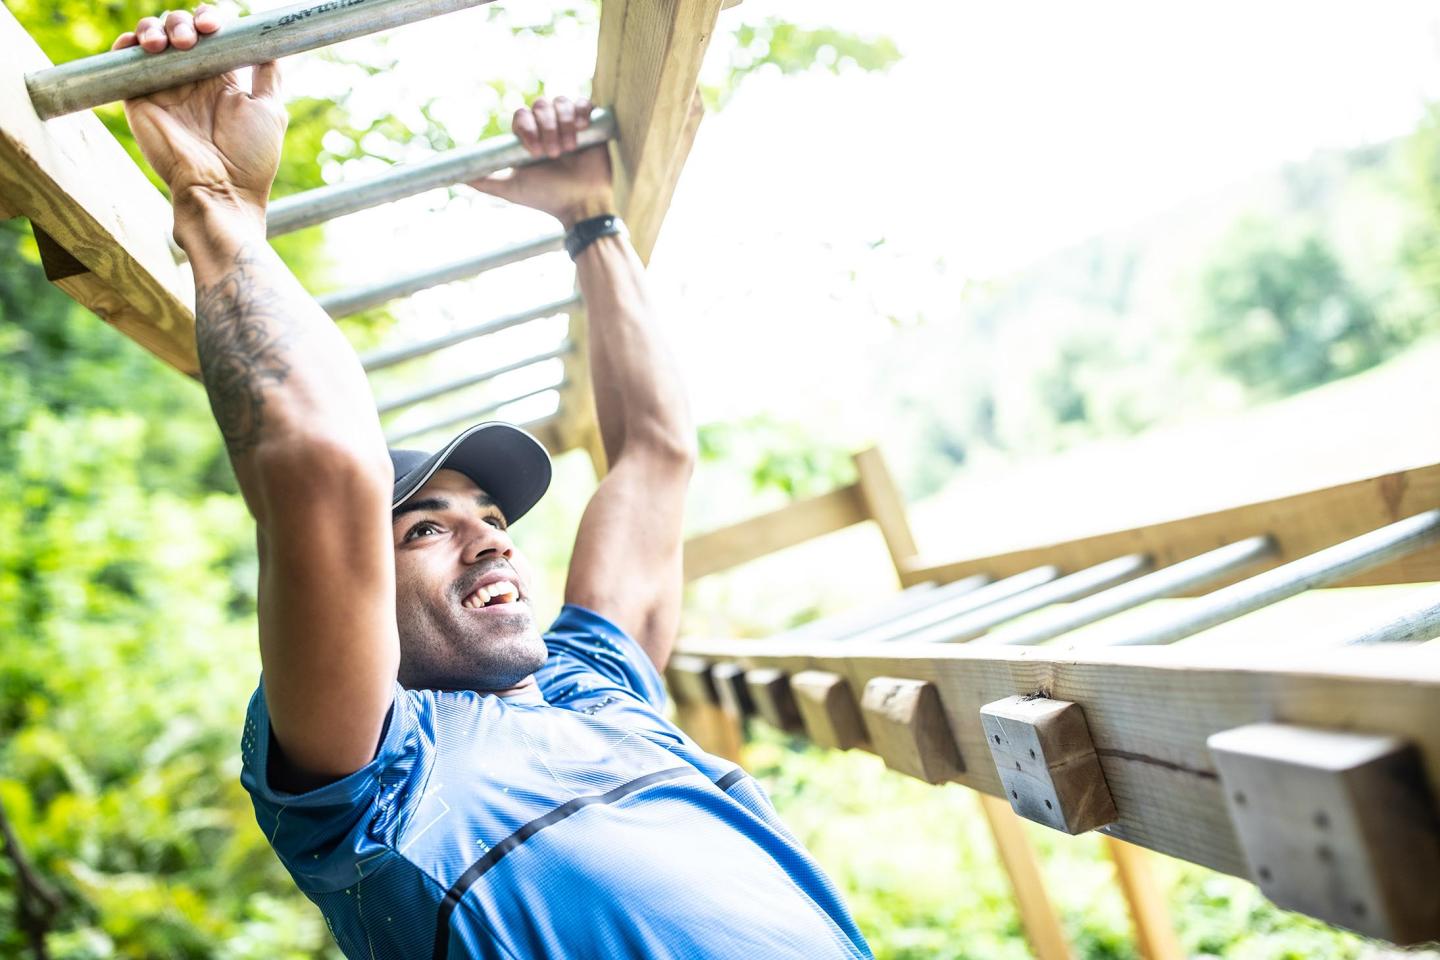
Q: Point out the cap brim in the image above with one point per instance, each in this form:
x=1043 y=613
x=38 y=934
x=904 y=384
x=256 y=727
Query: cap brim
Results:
x=503 y=460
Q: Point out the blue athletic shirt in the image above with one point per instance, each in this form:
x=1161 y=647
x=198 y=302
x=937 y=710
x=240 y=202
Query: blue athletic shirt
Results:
x=585 y=826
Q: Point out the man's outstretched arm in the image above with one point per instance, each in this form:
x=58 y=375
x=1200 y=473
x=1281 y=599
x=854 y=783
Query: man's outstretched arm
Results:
x=297 y=417
x=627 y=559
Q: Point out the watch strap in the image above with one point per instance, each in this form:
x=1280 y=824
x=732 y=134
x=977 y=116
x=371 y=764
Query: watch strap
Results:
x=587 y=231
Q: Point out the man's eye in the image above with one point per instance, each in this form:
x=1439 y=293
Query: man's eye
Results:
x=421 y=528
x=495 y=522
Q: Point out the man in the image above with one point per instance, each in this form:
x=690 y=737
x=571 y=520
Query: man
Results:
x=437 y=776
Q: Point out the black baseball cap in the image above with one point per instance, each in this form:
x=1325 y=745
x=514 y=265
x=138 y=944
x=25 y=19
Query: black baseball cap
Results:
x=503 y=460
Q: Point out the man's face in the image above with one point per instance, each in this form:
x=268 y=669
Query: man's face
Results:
x=462 y=595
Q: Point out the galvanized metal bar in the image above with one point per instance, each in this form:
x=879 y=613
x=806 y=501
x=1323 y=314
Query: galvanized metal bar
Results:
x=839 y=626
x=343 y=303
x=429 y=393
x=121 y=74
x=1168 y=581
x=380 y=359
x=1081 y=583
x=1323 y=567
x=461 y=165
x=1416 y=625
x=470 y=416
x=955 y=606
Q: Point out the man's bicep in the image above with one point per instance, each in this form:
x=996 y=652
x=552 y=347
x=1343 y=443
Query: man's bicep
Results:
x=328 y=641
x=627 y=560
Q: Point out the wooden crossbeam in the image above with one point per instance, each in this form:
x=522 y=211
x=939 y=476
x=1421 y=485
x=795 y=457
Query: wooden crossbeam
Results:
x=103 y=230
x=1149 y=714
x=1301 y=524
x=792 y=524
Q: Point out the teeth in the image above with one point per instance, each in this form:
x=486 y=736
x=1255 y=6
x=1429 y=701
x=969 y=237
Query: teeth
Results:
x=483 y=595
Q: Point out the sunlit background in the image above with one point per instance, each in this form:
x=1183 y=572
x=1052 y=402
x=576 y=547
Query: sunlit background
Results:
x=1072 y=266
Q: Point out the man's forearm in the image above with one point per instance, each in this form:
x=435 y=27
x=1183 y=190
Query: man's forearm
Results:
x=639 y=399
x=277 y=371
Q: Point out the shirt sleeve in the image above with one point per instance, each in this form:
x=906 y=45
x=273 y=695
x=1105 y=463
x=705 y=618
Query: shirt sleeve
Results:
x=592 y=663
x=326 y=836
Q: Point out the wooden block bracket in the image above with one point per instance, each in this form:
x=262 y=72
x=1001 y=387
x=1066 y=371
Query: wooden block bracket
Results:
x=907 y=726
x=1047 y=762
x=828 y=709
x=1336 y=824
x=773 y=698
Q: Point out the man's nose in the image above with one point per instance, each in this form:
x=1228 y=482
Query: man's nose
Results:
x=483 y=540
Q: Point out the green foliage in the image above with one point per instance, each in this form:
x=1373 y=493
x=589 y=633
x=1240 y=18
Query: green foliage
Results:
x=777 y=455
x=1280 y=313
x=789 y=48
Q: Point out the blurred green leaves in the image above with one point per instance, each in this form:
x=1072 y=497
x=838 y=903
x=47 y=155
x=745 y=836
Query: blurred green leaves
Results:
x=789 y=48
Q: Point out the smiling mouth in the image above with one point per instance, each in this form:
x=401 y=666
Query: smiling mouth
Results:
x=499 y=593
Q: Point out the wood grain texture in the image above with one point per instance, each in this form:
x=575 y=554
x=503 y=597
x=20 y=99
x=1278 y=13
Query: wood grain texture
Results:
x=1149 y=713
x=74 y=181
x=906 y=725
x=647 y=63
x=794 y=523
x=828 y=709
x=1037 y=914
x=1301 y=524
x=1336 y=824
x=1047 y=763
x=1149 y=914
x=885 y=505
x=774 y=700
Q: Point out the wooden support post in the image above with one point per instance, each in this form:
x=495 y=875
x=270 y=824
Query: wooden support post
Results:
x=907 y=727
x=1037 y=914
x=1047 y=762
x=697 y=711
x=828 y=709
x=646 y=67
x=92 y=205
x=1338 y=825
x=1154 y=929
x=773 y=699
x=885 y=505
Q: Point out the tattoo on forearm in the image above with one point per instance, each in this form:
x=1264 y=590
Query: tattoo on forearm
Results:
x=240 y=335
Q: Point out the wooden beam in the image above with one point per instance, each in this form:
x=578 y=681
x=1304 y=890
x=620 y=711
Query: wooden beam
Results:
x=76 y=184
x=794 y=523
x=1149 y=713
x=885 y=505
x=646 y=66
x=1301 y=524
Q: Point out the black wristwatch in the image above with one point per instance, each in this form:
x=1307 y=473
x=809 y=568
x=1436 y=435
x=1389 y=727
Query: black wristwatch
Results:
x=587 y=231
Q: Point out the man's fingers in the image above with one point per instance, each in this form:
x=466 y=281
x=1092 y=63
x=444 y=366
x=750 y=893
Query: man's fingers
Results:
x=265 y=81
x=583 y=108
x=523 y=126
x=126 y=39
x=180 y=28
x=151 y=35
x=497 y=184
x=544 y=112
x=208 y=19
x=565 y=123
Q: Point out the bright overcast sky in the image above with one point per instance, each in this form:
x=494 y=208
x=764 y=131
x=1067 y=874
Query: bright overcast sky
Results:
x=1007 y=130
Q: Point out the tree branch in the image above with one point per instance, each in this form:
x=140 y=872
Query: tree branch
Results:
x=37 y=902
